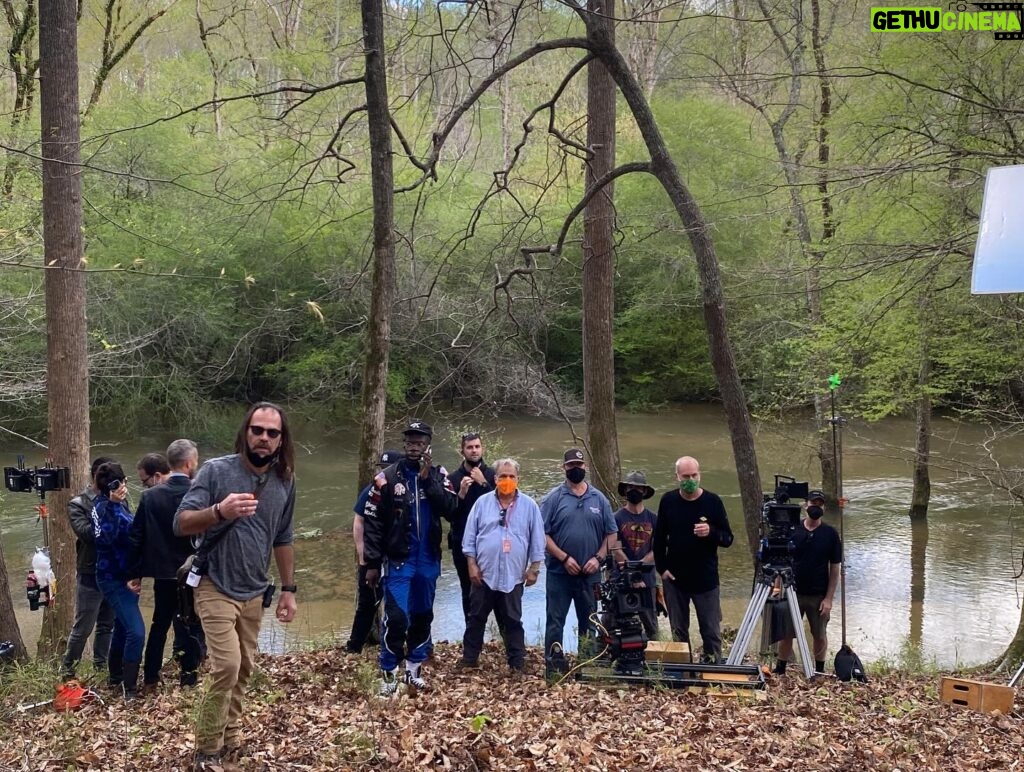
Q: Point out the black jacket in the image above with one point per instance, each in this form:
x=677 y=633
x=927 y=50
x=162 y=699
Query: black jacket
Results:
x=156 y=551
x=388 y=518
x=475 y=491
x=80 y=515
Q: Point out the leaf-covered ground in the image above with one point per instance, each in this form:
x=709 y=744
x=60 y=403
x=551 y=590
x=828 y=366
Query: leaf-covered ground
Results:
x=314 y=711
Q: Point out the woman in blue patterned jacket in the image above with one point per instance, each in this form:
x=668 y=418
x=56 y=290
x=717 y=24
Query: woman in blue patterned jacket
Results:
x=112 y=525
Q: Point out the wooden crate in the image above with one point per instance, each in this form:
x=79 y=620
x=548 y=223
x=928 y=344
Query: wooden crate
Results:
x=977 y=695
x=675 y=652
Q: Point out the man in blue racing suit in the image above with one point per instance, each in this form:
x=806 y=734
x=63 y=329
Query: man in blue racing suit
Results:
x=402 y=546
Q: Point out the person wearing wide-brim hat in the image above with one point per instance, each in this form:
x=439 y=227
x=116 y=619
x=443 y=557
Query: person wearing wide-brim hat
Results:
x=636 y=538
x=636 y=480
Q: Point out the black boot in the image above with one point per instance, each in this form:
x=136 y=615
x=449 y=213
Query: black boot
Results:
x=115 y=668
x=130 y=680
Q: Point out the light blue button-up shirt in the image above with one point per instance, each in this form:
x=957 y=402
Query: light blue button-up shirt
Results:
x=485 y=539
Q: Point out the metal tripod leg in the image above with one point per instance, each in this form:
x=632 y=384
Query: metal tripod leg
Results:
x=798 y=627
x=1017 y=675
x=746 y=631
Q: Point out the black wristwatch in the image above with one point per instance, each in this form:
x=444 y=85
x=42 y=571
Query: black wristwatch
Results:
x=289 y=588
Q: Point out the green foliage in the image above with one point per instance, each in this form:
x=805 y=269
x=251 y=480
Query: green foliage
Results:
x=229 y=249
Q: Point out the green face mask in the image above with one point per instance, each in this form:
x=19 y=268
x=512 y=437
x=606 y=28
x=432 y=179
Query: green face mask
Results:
x=689 y=486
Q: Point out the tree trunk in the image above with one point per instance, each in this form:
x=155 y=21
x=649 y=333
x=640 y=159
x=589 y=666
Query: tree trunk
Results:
x=599 y=265
x=723 y=360
x=375 y=368
x=830 y=482
x=67 y=381
x=922 y=483
x=9 y=630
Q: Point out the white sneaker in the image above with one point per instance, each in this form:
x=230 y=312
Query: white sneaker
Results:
x=413 y=677
x=388 y=683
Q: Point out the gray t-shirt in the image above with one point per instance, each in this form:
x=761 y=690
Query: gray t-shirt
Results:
x=239 y=561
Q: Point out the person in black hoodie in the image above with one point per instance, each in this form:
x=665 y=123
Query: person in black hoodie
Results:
x=691 y=526
x=158 y=553
x=471 y=480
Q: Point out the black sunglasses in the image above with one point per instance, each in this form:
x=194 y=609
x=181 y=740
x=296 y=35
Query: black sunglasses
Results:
x=259 y=430
x=502 y=518
x=470 y=436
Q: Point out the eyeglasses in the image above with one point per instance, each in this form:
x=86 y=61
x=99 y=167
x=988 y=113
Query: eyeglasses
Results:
x=258 y=431
x=470 y=436
x=503 y=518
x=145 y=480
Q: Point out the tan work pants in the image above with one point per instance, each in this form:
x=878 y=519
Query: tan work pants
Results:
x=232 y=628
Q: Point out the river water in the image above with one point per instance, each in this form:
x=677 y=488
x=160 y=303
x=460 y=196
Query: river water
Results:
x=944 y=596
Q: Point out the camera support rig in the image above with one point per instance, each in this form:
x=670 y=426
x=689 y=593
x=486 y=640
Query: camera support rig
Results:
x=622 y=596
x=772 y=582
x=774 y=578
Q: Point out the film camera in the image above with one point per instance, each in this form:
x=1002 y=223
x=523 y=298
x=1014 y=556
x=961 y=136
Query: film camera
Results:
x=779 y=519
x=43 y=479
x=623 y=595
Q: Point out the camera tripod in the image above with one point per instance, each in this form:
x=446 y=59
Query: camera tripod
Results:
x=771 y=581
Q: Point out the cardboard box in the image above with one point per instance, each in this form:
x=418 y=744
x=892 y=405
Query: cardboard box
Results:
x=675 y=652
x=977 y=695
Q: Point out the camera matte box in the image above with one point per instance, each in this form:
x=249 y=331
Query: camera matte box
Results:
x=673 y=652
x=977 y=695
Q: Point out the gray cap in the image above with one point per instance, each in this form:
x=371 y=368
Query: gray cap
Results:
x=636 y=480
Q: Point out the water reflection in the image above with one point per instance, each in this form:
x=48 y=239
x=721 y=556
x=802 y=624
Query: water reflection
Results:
x=950 y=592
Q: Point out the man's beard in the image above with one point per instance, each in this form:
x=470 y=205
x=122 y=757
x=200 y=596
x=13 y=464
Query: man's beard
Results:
x=259 y=461
x=471 y=463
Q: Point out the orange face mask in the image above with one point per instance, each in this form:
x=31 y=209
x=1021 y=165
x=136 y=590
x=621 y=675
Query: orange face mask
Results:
x=506 y=486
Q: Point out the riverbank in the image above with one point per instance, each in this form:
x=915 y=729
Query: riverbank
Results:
x=314 y=711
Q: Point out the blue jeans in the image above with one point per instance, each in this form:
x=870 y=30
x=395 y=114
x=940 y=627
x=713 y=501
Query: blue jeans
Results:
x=129 y=629
x=408 y=611
x=563 y=589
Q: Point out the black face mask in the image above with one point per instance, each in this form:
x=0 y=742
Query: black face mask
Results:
x=815 y=513
x=575 y=475
x=472 y=464
x=634 y=496
x=259 y=461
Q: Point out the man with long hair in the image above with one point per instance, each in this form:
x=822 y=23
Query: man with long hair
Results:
x=243 y=506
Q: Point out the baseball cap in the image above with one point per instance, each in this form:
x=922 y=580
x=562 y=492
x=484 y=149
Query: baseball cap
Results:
x=572 y=454
x=815 y=494
x=389 y=457
x=418 y=427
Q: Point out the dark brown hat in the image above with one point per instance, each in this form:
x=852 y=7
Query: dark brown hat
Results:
x=636 y=480
x=573 y=454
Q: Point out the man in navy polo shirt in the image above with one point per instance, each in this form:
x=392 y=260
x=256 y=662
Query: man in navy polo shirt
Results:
x=579 y=530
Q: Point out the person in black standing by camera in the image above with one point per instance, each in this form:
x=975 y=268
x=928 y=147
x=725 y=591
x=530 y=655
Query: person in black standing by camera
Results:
x=691 y=526
x=817 y=560
x=471 y=480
